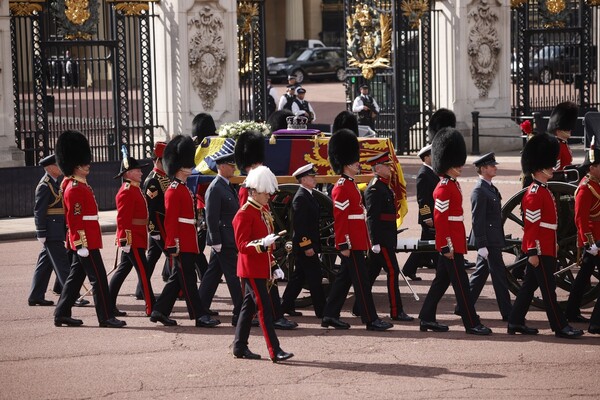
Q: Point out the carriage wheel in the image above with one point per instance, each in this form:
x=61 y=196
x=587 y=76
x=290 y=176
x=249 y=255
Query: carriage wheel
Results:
x=281 y=207
x=515 y=259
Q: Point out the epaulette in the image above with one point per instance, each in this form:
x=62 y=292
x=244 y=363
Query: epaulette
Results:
x=126 y=186
x=534 y=188
x=340 y=181
x=174 y=185
x=75 y=183
x=245 y=206
x=47 y=179
x=444 y=181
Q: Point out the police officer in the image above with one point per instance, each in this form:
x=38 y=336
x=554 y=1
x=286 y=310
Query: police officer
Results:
x=49 y=220
x=539 y=240
x=381 y=221
x=487 y=235
x=84 y=238
x=181 y=242
x=303 y=107
x=306 y=244
x=132 y=233
x=366 y=107
x=351 y=237
x=221 y=206
x=287 y=99
x=449 y=154
x=587 y=220
x=427 y=180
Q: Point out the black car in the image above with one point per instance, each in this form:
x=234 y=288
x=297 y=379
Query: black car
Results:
x=315 y=63
x=558 y=61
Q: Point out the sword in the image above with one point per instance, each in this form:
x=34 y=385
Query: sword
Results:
x=107 y=275
x=415 y=295
x=560 y=271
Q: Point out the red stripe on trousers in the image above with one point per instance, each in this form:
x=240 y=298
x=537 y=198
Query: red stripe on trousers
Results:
x=261 y=316
x=391 y=282
x=143 y=276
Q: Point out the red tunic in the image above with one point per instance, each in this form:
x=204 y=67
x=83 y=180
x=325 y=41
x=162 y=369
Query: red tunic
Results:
x=81 y=214
x=180 y=221
x=539 y=217
x=587 y=211
x=251 y=223
x=565 y=157
x=448 y=217
x=132 y=216
x=349 y=216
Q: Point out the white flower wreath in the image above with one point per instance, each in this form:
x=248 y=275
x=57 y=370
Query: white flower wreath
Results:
x=235 y=129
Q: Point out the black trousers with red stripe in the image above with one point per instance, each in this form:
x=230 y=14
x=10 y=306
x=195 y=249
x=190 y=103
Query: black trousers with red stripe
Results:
x=91 y=266
x=135 y=258
x=353 y=271
x=541 y=276
x=450 y=271
x=183 y=277
x=589 y=263
x=256 y=297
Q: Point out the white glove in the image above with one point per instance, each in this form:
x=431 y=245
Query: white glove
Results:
x=42 y=240
x=217 y=247
x=278 y=274
x=407 y=243
x=483 y=252
x=376 y=248
x=269 y=239
x=155 y=237
x=593 y=250
x=83 y=252
x=126 y=249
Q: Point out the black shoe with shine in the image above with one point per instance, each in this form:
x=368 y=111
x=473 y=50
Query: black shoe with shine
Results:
x=433 y=326
x=402 y=316
x=479 y=330
x=578 y=318
x=112 y=323
x=68 y=321
x=41 y=302
x=379 y=325
x=81 y=303
x=293 y=313
x=281 y=355
x=414 y=277
x=206 y=321
x=522 y=329
x=568 y=332
x=594 y=329
x=336 y=323
x=284 y=324
x=119 y=313
x=246 y=354
x=163 y=319
x=469 y=265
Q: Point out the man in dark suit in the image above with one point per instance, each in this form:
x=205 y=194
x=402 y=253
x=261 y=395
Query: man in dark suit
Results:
x=306 y=245
x=488 y=235
x=221 y=204
x=427 y=180
x=50 y=231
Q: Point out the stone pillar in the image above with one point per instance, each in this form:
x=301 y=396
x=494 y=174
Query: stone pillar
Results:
x=294 y=20
x=475 y=70
x=197 y=69
x=10 y=155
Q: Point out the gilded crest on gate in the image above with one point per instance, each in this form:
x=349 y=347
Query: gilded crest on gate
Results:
x=369 y=39
x=76 y=19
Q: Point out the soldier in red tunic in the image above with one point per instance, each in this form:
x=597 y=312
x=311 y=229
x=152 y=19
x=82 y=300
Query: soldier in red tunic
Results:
x=181 y=242
x=84 y=238
x=351 y=237
x=254 y=237
x=587 y=220
x=539 y=240
x=132 y=233
x=562 y=123
x=449 y=154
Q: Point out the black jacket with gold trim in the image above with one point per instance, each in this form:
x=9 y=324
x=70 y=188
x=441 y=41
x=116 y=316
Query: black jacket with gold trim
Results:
x=306 y=221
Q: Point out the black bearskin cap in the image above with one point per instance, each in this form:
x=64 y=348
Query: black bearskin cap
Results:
x=442 y=118
x=563 y=117
x=249 y=149
x=347 y=120
x=540 y=152
x=72 y=149
x=278 y=119
x=448 y=150
x=179 y=153
x=203 y=125
x=343 y=150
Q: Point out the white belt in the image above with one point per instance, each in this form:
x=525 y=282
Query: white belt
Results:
x=191 y=221
x=90 y=218
x=549 y=226
x=356 y=216
x=456 y=218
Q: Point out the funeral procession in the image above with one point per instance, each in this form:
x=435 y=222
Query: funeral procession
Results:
x=391 y=199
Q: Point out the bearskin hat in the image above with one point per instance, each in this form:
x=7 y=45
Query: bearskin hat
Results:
x=249 y=150
x=563 y=117
x=203 y=125
x=345 y=119
x=278 y=119
x=72 y=149
x=178 y=154
x=448 y=150
x=540 y=152
x=442 y=118
x=343 y=150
